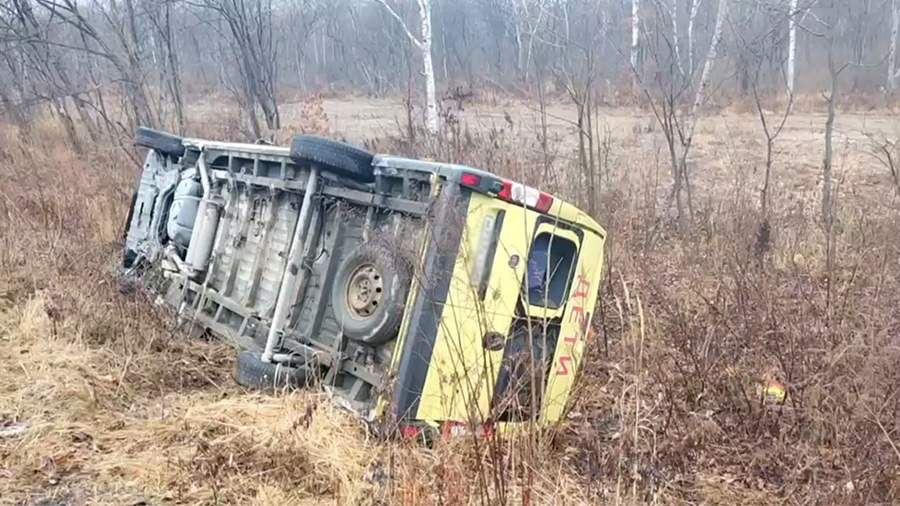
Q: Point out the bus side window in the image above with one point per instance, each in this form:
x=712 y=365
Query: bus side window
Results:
x=550 y=266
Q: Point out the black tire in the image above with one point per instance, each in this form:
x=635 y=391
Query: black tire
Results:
x=382 y=320
x=161 y=142
x=253 y=373
x=128 y=218
x=129 y=256
x=334 y=156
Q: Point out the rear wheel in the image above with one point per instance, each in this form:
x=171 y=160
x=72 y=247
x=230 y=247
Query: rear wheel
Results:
x=251 y=372
x=161 y=142
x=334 y=156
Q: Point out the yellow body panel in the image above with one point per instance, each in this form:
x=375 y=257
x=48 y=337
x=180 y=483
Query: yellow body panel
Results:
x=463 y=372
x=461 y=378
x=576 y=321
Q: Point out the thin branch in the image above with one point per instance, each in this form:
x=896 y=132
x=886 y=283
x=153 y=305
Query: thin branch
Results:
x=403 y=25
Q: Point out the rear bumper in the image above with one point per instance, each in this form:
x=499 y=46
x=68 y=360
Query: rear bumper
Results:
x=143 y=239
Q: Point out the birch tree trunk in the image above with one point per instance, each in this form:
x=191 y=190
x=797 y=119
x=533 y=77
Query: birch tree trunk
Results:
x=682 y=180
x=692 y=17
x=711 y=56
x=431 y=111
x=423 y=44
x=673 y=13
x=635 y=33
x=893 y=74
x=792 y=47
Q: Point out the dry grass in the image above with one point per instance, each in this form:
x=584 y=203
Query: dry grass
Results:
x=118 y=407
x=695 y=322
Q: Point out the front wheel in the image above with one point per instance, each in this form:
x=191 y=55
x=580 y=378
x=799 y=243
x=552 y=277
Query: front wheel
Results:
x=334 y=156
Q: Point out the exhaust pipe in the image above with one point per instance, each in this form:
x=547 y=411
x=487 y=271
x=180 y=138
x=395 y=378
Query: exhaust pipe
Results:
x=205 y=225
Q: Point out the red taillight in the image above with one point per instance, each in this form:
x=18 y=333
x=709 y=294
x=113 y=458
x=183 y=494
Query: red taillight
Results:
x=471 y=180
x=518 y=193
x=410 y=431
x=543 y=203
x=505 y=192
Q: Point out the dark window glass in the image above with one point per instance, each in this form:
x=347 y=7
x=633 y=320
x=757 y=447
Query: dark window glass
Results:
x=550 y=265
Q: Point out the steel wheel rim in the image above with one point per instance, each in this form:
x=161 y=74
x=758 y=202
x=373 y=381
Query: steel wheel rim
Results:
x=365 y=290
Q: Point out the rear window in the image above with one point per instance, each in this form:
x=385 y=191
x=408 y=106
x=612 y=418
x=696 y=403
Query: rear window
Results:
x=550 y=266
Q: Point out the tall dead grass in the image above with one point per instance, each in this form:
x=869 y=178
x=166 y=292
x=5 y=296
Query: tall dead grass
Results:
x=696 y=324
x=104 y=401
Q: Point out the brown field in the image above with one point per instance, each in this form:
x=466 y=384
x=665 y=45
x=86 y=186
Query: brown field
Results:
x=103 y=401
x=728 y=143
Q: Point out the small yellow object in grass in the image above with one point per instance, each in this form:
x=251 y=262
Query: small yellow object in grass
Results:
x=775 y=391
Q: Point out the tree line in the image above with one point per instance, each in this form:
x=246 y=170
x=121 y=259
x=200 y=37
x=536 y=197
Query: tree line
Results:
x=113 y=64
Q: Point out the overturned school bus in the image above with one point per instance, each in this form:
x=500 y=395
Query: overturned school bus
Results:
x=424 y=296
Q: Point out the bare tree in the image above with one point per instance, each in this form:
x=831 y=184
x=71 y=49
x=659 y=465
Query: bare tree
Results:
x=41 y=69
x=665 y=96
x=836 y=64
x=576 y=70
x=104 y=66
x=529 y=16
x=893 y=71
x=128 y=32
x=110 y=33
x=831 y=97
x=160 y=18
x=423 y=44
x=760 y=45
x=699 y=100
x=253 y=42
x=306 y=17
